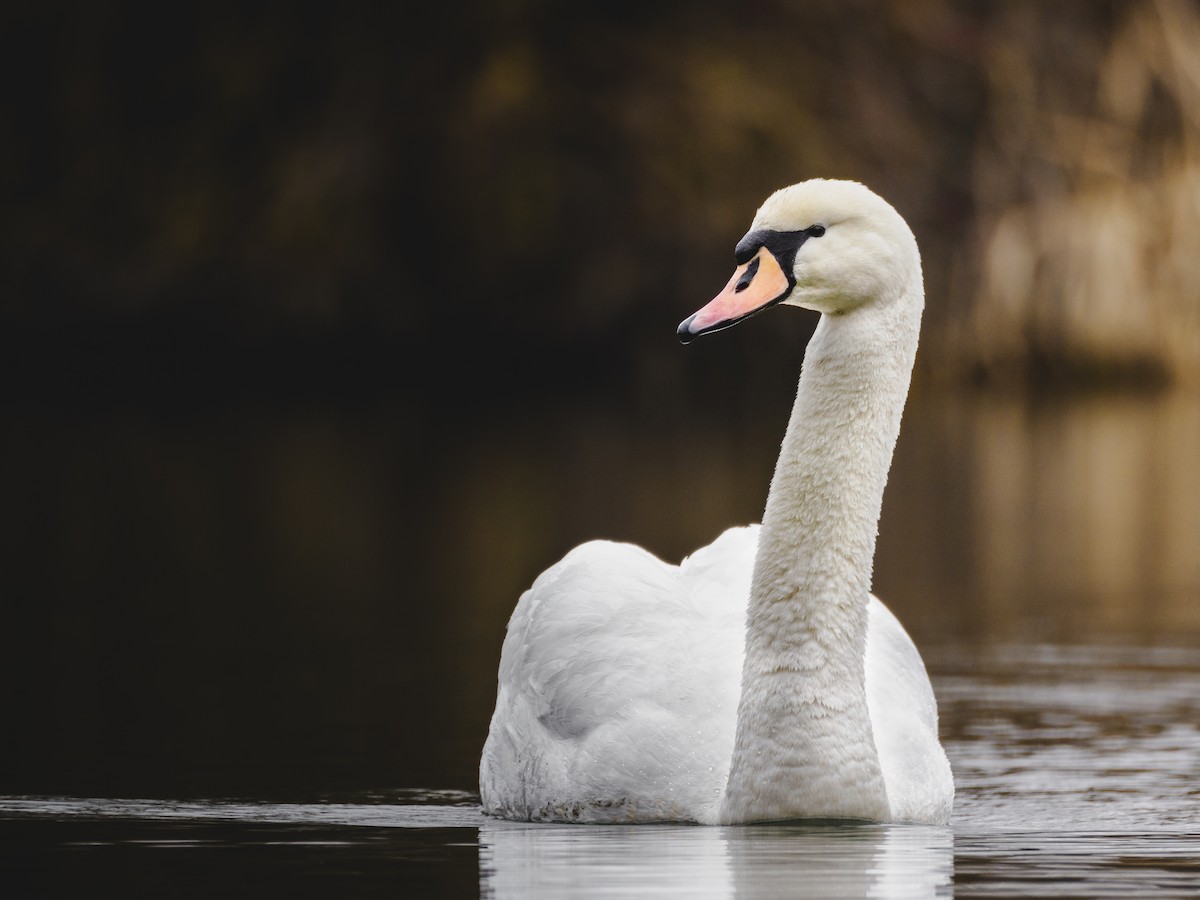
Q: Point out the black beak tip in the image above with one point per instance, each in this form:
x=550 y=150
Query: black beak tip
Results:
x=686 y=335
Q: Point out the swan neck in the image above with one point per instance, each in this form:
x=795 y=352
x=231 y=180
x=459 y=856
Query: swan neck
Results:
x=804 y=746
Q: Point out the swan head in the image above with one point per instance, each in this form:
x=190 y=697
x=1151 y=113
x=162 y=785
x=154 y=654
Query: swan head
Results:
x=831 y=246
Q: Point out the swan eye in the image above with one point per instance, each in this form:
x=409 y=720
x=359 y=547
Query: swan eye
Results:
x=816 y=231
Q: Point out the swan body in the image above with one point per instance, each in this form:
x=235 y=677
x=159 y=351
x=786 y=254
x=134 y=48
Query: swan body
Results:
x=760 y=679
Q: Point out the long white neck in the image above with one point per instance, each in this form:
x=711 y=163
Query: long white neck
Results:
x=804 y=747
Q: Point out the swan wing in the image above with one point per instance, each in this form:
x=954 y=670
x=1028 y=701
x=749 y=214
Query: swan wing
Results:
x=904 y=721
x=618 y=686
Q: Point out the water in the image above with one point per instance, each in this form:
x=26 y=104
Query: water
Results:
x=262 y=668
x=1077 y=770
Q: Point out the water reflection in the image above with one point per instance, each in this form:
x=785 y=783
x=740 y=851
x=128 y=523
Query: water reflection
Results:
x=311 y=603
x=244 y=602
x=1095 y=503
x=530 y=861
x=792 y=860
x=1076 y=769
x=1064 y=519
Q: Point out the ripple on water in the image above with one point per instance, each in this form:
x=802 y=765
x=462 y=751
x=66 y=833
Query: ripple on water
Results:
x=1076 y=771
x=1079 y=739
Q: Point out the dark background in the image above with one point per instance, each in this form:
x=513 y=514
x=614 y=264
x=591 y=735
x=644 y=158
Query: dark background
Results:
x=324 y=328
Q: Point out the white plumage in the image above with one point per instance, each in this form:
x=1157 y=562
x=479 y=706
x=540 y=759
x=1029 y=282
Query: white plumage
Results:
x=759 y=679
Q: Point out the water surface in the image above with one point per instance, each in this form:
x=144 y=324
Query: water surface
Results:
x=259 y=648
x=1077 y=771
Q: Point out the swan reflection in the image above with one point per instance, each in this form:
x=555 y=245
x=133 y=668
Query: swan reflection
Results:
x=795 y=860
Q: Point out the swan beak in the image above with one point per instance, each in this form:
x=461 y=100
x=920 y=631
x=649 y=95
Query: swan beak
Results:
x=755 y=285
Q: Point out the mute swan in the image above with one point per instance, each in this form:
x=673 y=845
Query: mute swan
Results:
x=759 y=680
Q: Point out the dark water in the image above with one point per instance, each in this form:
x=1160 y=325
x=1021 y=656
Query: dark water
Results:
x=1078 y=774
x=253 y=652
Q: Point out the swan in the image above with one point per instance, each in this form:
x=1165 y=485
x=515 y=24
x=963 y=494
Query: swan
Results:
x=758 y=680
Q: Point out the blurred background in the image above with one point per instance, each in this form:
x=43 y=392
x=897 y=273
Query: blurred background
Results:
x=325 y=328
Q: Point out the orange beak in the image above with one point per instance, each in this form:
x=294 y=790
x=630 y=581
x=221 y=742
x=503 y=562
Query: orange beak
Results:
x=755 y=285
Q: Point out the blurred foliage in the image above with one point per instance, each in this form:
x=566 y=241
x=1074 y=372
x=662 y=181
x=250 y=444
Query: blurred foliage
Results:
x=1088 y=182
x=230 y=202
x=270 y=188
